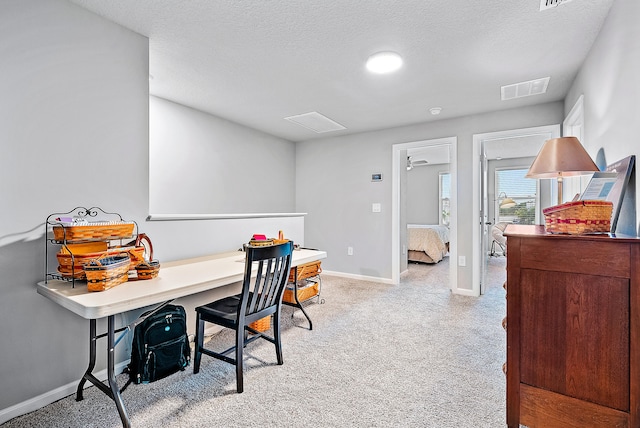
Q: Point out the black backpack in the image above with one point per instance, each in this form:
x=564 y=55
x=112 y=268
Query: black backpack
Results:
x=160 y=345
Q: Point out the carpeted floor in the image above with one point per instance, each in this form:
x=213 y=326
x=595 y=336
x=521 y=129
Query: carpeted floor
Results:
x=411 y=355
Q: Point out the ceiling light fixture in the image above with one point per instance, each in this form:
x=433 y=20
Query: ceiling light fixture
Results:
x=384 y=62
x=435 y=110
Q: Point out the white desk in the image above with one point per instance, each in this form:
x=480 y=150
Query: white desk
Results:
x=175 y=279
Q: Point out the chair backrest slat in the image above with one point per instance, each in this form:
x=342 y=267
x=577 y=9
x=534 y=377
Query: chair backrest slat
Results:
x=265 y=289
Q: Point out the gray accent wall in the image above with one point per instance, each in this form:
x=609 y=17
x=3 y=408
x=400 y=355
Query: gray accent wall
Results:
x=74 y=104
x=204 y=164
x=74 y=120
x=423 y=194
x=333 y=184
x=609 y=82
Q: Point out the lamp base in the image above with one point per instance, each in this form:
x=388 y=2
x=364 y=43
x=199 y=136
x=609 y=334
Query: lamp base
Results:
x=560 y=198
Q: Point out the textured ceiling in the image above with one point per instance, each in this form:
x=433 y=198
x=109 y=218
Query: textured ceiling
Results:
x=255 y=62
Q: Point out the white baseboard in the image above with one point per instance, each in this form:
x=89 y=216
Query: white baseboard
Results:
x=360 y=277
x=52 y=396
x=465 y=292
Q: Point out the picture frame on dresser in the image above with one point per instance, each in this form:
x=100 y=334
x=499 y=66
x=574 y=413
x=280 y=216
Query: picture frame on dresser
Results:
x=617 y=185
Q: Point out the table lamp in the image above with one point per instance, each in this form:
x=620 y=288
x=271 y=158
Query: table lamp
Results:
x=561 y=157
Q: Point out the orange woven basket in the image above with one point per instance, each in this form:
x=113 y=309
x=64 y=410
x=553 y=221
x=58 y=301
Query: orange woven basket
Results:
x=263 y=324
x=579 y=217
x=103 y=230
x=305 y=271
x=148 y=270
x=69 y=266
x=107 y=272
x=304 y=293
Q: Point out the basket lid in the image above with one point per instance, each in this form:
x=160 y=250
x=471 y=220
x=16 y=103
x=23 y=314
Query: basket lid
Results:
x=566 y=205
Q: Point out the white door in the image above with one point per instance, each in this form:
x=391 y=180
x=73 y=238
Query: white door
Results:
x=515 y=143
x=485 y=222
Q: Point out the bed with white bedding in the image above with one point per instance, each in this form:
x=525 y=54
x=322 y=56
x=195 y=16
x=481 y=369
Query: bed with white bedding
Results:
x=427 y=243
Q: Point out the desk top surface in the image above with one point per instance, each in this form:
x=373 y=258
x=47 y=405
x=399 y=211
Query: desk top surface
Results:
x=176 y=279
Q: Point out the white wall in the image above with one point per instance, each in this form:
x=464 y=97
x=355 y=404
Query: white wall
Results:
x=338 y=192
x=609 y=81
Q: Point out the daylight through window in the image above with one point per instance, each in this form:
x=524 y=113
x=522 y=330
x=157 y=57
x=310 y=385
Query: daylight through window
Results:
x=511 y=183
x=445 y=198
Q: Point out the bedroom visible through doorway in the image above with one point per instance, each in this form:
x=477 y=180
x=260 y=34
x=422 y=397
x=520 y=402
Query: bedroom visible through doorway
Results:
x=428 y=206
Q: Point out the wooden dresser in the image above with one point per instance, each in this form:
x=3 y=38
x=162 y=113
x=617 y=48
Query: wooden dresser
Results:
x=573 y=330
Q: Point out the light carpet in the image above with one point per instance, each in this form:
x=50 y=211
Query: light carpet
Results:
x=411 y=355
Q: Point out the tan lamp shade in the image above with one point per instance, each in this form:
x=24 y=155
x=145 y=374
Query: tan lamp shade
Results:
x=561 y=157
x=507 y=203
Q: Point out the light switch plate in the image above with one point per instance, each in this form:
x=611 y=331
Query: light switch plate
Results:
x=376 y=208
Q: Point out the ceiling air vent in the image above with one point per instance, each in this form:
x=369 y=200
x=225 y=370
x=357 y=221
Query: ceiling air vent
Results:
x=550 y=4
x=525 y=89
x=315 y=122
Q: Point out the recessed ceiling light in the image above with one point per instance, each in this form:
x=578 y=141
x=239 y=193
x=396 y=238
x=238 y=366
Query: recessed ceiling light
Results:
x=384 y=62
x=435 y=110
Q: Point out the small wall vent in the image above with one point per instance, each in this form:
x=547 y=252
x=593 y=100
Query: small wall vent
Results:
x=550 y=4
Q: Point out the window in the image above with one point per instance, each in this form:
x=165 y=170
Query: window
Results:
x=511 y=183
x=445 y=197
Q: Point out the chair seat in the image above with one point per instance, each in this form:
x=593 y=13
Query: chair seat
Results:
x=224 y=309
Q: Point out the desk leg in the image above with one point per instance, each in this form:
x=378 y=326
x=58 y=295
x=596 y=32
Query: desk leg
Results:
x=92 y=361
x=115 y=391
x=112 y=391
x=298 y=304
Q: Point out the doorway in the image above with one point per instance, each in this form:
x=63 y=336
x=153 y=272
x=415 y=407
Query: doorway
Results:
x=510 y=144
x=398 y=216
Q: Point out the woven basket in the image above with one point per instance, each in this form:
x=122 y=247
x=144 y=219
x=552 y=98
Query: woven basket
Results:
x=263 y=324
x=305 y=271
x=260 y=242
x=148 y=270
x=107 y=272
x=304 y=293
x=69 y=266
x=99 y=231
x=579 y=217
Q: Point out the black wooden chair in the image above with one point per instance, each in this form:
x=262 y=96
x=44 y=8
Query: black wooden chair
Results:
x=261 y=296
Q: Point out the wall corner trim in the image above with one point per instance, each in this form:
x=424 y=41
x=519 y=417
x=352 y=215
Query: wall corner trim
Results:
x=180 y=217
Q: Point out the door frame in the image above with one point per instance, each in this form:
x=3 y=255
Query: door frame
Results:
x=549 y=131
x=397 y=165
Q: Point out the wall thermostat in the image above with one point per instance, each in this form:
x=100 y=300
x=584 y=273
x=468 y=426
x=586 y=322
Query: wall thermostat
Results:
x=376 y=177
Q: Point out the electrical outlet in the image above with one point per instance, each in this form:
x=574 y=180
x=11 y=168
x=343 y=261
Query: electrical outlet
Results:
x=462 y=261
x=349 y=251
